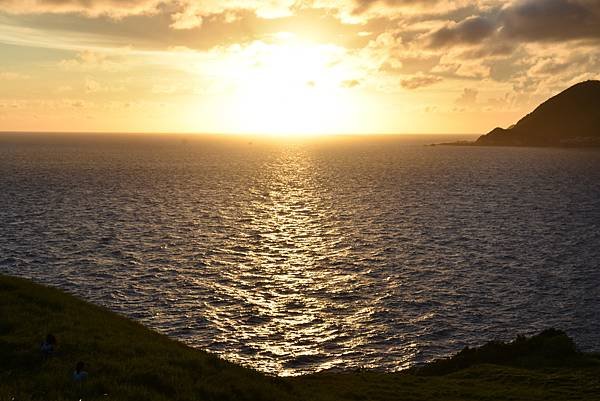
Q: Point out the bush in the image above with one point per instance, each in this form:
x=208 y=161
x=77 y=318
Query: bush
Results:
x=550 y=347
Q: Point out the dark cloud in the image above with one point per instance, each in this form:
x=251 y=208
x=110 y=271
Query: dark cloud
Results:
x=551 y=67
x=471 y=30
x=494 y=49
x=513 y=65
x=552 y=20
x=524 y=21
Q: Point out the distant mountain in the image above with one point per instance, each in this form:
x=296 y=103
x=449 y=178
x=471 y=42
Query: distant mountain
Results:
x=571 y=118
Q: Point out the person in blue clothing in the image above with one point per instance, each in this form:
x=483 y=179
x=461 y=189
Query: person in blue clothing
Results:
x=80 y=374
x=48 y=346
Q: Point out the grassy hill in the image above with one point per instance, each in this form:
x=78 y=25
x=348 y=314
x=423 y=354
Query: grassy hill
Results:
x=127 y=361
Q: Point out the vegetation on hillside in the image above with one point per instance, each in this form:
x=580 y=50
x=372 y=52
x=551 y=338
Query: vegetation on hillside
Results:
x=126 y=361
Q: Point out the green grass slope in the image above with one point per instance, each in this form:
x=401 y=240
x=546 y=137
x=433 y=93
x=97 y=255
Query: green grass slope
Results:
x=126 y=361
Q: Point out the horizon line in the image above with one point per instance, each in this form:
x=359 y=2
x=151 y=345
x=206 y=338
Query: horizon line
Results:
x=249 y=134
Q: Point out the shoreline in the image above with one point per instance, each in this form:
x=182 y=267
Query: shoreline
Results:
x=490 y=145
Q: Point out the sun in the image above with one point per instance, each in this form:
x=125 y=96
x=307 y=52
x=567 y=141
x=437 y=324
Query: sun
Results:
x=291 y=87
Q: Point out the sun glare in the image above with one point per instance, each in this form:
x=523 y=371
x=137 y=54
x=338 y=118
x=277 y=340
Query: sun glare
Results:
x=290 y=88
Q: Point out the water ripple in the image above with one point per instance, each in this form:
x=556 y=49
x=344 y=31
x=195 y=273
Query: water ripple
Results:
x=299 y=257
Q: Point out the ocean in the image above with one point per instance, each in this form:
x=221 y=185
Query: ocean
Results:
x=300 y=255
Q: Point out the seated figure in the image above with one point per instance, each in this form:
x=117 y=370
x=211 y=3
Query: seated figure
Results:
x=48 y=346
x=79 y=374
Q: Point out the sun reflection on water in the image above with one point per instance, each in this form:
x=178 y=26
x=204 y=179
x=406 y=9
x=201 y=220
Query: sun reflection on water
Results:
x=293 y=294
x=289 y=232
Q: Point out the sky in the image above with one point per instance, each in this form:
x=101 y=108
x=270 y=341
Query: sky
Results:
x=288 y=67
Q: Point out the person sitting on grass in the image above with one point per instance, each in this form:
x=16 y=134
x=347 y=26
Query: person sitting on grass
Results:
x=48 y=346
x=79 y=374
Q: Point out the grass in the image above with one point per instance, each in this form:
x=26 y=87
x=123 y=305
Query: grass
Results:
x=126 y=361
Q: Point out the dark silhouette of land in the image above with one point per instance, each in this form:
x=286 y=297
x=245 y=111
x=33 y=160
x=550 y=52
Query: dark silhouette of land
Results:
x=571 y=118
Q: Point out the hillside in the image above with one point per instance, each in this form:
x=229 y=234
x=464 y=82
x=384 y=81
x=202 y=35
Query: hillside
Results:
x=571 y=118
x=126 y=361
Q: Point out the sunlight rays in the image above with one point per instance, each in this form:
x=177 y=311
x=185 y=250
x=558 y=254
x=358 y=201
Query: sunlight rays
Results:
x=291 y=87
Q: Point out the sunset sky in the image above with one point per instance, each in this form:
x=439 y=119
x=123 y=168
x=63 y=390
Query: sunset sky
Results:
x=282 y=66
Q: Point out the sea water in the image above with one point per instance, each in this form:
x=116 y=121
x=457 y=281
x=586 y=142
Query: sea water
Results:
x=299 y=255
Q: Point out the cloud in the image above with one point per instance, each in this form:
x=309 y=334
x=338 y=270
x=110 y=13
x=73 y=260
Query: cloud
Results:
x=188 y=18
x=362 y=6
x=92 y=60
x=504 y=102
x=551 y=20
x=467 y=22
x=350 y=83
x=192 y=13
x=419 y=81
x=471 y=30
x=380 y=45
x=91 y=85
x=524 y=21
x=184 y=14
x=468 y=97
x=93 y=8
x=550 y=66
